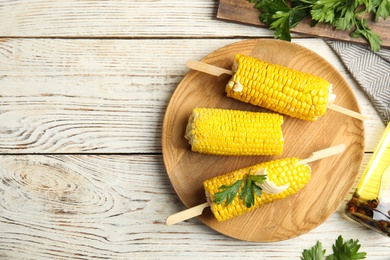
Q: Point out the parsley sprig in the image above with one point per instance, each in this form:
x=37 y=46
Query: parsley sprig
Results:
x=341 y=251
x=248 y=185
x=282 y=15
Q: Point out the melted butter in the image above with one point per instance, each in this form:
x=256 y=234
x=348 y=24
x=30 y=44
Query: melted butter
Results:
x=269 y=186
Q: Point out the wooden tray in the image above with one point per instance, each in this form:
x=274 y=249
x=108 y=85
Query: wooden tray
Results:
x=332 y=177
x=244 y=12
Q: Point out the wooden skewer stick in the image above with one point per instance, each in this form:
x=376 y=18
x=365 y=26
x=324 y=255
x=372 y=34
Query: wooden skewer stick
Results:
x=186 y=214
x=207 y=68
x=197 y=210
x=323 y=153
x=347 y=112
x=217 y=71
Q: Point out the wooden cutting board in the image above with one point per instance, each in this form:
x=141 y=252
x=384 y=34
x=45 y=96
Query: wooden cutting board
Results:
x=244 y=12
x=332 y=178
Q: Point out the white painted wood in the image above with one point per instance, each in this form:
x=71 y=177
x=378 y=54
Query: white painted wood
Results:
x=115 y=206
x=78 y=96
x=83 y=89
x=118 y=18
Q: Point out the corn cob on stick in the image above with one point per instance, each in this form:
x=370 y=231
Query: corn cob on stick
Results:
x=281 y=89
x=234 y=132
x=284 y=177
x=278 y=88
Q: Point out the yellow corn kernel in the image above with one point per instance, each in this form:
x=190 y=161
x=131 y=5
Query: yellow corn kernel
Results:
x=297 y=85
x=281 y=172
x=234 y=132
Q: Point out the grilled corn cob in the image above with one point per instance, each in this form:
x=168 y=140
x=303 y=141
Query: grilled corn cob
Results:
x=234 y=132
x=284 y=178
x=291 y=92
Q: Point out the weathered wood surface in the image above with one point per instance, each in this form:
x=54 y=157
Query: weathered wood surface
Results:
x=118 y=19
x=76 y=95
x=83 y=90
x=115 y=206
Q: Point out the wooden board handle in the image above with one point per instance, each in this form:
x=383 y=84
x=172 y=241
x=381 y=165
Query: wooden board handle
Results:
x=207 y=68
x=186 y=214
x=324 y=153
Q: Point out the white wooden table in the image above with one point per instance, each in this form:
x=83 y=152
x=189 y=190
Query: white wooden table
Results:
x=83 y=90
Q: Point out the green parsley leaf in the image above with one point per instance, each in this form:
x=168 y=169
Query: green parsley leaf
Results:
x=281 y=16
x=325 y=11
x=362 y=30
x=383 y=9
x=251 y=188
x=257 y=190
x=259 y=178
x=228 y=193
x=345 y=19
x=247 y=193
x=347 y=250
x=314 y=253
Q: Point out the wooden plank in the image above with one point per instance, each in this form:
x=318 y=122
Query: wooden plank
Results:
x=243 y=11
x=67 y=96
x=91 y=96
x=116 y=18
x=112 y=206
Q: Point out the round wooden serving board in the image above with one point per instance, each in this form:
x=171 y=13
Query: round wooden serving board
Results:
x=332 y=177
